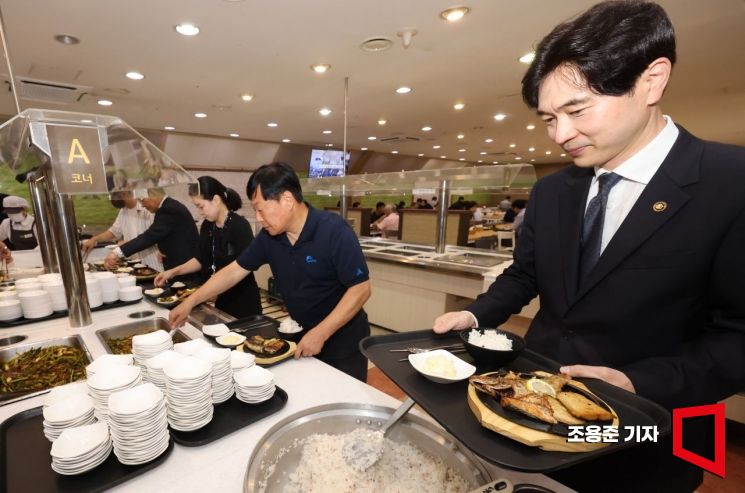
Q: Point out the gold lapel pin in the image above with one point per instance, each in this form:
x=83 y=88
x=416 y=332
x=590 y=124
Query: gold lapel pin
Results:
x=659 y=206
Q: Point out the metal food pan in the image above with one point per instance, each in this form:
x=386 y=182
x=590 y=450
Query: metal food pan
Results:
x=137 y=328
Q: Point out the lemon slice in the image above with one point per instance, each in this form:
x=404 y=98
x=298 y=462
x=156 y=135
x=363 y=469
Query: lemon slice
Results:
x=540 y=387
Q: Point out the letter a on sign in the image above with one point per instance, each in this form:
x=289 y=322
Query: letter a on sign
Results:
x=717 y=466
x=77 y=151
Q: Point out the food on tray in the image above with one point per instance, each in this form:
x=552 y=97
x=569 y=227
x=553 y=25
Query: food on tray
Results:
x=154 y=291
x=439 y=366
x=124 y=270
x=289 y=326
x=541 y=397
x=139 y=266
x=178 y=285
x=231 y=339
x=43 y=368
x=490 y=339
x=261 y=345
x=144 y=271
x=167 y=300
x=184 y=293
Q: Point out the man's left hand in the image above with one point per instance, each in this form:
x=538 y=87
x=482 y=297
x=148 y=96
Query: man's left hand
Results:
x=310 y=345
x=613 y=377
x=111 y=260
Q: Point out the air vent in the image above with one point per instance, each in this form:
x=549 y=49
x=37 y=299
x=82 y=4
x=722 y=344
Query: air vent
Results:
x=49 y=91
x=399 y=139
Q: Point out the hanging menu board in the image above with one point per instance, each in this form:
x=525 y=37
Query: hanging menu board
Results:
x=77 y=162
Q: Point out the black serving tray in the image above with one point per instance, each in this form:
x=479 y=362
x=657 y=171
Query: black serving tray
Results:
x=229 y=417
x=167 y=291
x=24 y=321
x=25 y=463
x=448 y=404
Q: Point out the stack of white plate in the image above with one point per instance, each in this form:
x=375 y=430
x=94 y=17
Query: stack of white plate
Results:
x=95 y=298
x=155 y=366
x=56 y=291
x=145 y=346
x=64 y=392
x=80 y=449
x=125 y=280
x=51 y=277
x=35 y=304
x=190 y=348
x=188 y=389
x=240 y=360
x=28 y=284
x=8 y=295
x=76 y=410
x=106 y=360
x=109 y=286
x=130 y=293
x=10 y=309
x=139 y=424
x=254 y=384
x=108 y=380
x=222 y=375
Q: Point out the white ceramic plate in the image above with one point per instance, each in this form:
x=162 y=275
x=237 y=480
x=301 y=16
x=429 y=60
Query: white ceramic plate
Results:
x=463 y=370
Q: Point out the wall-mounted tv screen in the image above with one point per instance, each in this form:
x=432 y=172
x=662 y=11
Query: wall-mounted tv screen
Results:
x=326 y=163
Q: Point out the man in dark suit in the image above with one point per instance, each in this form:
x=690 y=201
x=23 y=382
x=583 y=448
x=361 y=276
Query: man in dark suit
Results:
x=639 y=284
x=173 y=231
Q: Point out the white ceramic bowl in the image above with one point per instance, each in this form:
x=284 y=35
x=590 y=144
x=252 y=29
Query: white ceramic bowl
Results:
x=463 y=370
x=215 y=330
x=231 y=339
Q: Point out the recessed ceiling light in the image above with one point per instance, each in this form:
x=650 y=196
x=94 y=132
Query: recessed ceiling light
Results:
x=462 y=159
x=169 y=127
x=187 y=29
x=403 y=90
x=134 y=75
x=66 y=39
x=461 y=150
x=376 y=44
x=563 y=154
x=488 y=141
x=461 y=136
x=200 y=115
x=105 y=102
x=320 y=68
x=532 y=160
x=234 y=135
x=531 y=149
x=513 y=145
x=420 y=155
x=363 y=148
x=518 y=158
x=327 y=132
x=479 y=161
x=530 y=126
x=382 y=122
x=272 y=125
x=459 y=106
x=495 y=162
x=247 y=97
x=527 y=58
x=371 y=138
x=426 y=129
x=394 y=152
x=286 y=141
x=443 y=157
x=86 y=121
x=482 y=153
x=325 y=111
x=548 y=153
x=500 y=116
x=454 y=14
x=329 y=145
x=435 y=147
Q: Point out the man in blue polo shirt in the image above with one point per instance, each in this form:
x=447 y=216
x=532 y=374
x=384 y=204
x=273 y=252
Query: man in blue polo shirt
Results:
x=318 y=265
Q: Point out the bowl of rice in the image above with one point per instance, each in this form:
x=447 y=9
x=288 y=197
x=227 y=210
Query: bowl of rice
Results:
x=492 y=346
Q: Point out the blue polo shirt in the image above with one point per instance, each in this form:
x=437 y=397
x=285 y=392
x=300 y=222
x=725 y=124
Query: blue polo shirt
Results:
x=313 y=274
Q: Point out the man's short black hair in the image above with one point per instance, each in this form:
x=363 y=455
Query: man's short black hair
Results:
x=379 y=205
x=520 y=203
x=274 y=179
x=610 y=46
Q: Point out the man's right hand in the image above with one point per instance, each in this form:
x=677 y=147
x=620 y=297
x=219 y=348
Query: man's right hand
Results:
x=453 y=321
x=163 y=278
x=89 y=245
x=177 y=317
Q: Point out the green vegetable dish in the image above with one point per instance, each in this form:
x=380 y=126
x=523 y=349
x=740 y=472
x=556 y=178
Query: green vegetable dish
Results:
x=43 y=368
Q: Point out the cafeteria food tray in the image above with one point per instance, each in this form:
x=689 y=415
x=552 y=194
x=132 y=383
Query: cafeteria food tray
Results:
x=448 y=404
x=265 y=327
x=25 y=463
x=229 y=417
x=24 y=321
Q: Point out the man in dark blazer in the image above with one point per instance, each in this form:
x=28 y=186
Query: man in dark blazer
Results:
x=173 y=231
x=639 y=284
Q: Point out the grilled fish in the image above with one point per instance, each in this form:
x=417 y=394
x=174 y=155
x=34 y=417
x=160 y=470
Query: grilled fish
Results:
x=259 y=344
x=534 y=405
x=561 y=413
x=582 y=407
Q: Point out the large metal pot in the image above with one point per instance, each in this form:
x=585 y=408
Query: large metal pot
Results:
x=343 y=418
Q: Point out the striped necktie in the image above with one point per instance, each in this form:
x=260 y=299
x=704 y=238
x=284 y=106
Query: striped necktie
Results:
x=592 y=227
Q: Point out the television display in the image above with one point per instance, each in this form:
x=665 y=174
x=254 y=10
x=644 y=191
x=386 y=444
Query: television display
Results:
x=326 y=163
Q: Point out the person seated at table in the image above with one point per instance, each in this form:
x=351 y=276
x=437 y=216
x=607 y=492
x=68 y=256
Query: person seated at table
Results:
x=478 y=212
x=459 y=204
x=355 y=204
x=388 y=224
x=518 y=207
x=515 y=208
x=18 y=230
x=378 y=212
x=506 y=203
x=423 y=204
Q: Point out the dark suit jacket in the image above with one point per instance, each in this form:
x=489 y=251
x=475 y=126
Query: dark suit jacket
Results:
x=665 y=303
x=173 y=230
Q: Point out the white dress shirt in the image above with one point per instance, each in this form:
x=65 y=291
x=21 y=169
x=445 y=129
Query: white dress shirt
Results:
x=131 y=223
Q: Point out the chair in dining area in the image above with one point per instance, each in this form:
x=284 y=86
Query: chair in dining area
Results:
x=505 y=236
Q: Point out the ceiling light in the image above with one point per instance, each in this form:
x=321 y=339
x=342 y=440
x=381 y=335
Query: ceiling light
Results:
x=479 y=161
x=563 y=154
x=200 y=115
x=530 y=126
x=382 y=122
x=329 y=145
x=548 y=153
x=394 y=152
x=286 y=141
x=461 y=150
x=488 y=141
x=513 y=146
x=105 y=102
x=454 y=14
x=518 y=158
x=443 y=157
x=247 y=97
x=66 y=39
x=532 y=160
x=482 y=153
x=461 y=136
x=327 y=132
x=234 y=135
x=320 y=68
x=324 y=111
x=86 y=121
x=134 y=75
x=435 y=147
x=363 y=148
x=426 y=129
x=272 y=125
x=527 y=58
x=462 y=159
x=371 y=138
x=169 y=127
x=420 y=155
x=500 y=116
x=376 y=44
x=495 y=162
x=531 y=149
x=403 y=90
x=459 y=106
x=187 y=29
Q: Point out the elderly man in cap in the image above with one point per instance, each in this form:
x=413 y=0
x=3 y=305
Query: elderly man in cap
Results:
x=18 y=231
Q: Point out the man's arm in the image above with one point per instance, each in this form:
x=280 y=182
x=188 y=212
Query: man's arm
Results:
x=349 y=305
x=91 y=243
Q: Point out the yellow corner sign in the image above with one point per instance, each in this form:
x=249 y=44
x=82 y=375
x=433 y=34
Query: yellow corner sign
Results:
x=77 y=162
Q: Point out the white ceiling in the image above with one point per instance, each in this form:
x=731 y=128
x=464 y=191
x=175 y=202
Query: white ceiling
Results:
x=265 y=47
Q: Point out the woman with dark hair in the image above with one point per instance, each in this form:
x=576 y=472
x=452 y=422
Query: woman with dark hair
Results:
x=224 y=234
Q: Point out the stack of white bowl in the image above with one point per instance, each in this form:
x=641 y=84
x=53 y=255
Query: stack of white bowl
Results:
x=139 y=424
x=145 y=346
x=64 y=392
x=156 y=364
x=109 y=286
x=109 y=380
x=76 y=410
x=130 y=293
x=28 y=284
x=35 y=304
x=51 y=277
x=106 y=360
x=222 y=375
x=254 y=384
x=56 y=291
x=95 y=297
x=10 y=306
x=190 y=348
x=125 y=280
x=80 y=449
x=240 y=360
x=188 y=389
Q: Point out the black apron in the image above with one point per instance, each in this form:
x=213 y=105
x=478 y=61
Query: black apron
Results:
x=22 y=240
